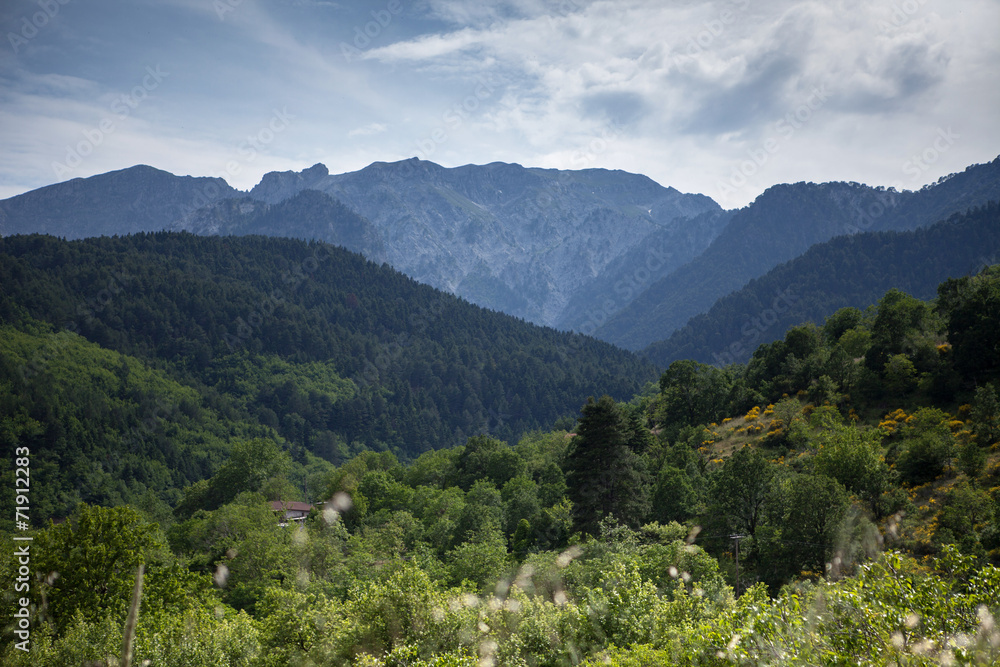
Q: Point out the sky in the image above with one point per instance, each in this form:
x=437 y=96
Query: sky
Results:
x=722 y=98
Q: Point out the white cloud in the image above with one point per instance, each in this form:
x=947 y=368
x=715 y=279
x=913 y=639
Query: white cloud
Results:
x=368 y=130
x=688 y=89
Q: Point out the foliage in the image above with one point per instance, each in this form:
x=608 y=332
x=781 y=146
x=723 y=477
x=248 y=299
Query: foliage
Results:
x=853 y=456
x=822 y=280
x=103 y=427
x=88 y=563
x=332 y=351
x=743 y=487
x=605 y=473
x=973 y=309
x=609 y=545
x=893 y=612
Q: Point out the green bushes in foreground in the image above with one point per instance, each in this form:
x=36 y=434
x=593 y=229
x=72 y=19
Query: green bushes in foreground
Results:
x=628 y=598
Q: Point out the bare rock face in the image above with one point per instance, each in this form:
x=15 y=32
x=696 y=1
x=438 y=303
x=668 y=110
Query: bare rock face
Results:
x=602 y=252
x=277 y=186
x=137 y=199
x=523 y=241
x=541 y=244
x=308 y=214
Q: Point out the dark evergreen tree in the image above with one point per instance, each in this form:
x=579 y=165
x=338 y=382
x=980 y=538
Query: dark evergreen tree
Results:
x=691 y=393
x=605 y=474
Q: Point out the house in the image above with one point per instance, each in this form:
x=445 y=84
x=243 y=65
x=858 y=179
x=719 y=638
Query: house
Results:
x=291 y=511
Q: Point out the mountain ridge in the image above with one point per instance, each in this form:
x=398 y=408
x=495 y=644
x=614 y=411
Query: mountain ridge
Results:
x=604 y=252
x=125 y=201
x=781 y=224
x=817 y=283
x=515 y=239
x=428 y=368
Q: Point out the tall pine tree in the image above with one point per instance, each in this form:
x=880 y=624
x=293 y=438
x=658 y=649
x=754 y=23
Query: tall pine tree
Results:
x=605 y=471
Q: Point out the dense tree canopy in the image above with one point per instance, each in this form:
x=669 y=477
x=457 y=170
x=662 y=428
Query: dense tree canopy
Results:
x=846 y=272
x=865 y=497
x=605 y=471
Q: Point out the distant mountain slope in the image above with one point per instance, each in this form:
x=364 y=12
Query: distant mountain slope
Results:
x=780 y=225
x=846 y=271
x=426 y=369
x=137 y=199
x=523 y=241
x=956 y=193
x=628 y=276
x=306 y=215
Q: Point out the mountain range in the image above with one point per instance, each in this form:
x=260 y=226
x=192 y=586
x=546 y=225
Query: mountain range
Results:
x=522 y=241
x=781 y=224
x=851 y=271
x=606 y=253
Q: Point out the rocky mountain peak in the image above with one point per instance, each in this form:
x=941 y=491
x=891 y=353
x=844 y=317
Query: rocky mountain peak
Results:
x=277 y=186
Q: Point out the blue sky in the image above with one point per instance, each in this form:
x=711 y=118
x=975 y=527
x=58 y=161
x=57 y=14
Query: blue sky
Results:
x=723 y=98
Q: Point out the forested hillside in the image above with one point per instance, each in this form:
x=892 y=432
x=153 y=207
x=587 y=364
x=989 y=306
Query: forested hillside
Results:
x=110 y=429
x=306 y=215
x=335 y=353
x=781 y=224
x=846 y=271
x=519 y=240
x=853 y=465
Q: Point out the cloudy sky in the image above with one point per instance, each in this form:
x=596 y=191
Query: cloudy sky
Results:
x=724 y=98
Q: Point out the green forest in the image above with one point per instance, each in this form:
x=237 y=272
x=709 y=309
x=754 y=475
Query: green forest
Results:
x=843 y=272
x=489 y=492
x=785 y=222
x=333 y=352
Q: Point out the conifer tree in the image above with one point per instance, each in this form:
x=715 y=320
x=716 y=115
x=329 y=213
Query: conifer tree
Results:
x=605 y=474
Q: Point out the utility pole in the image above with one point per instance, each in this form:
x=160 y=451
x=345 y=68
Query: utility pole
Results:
x=737 y=538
